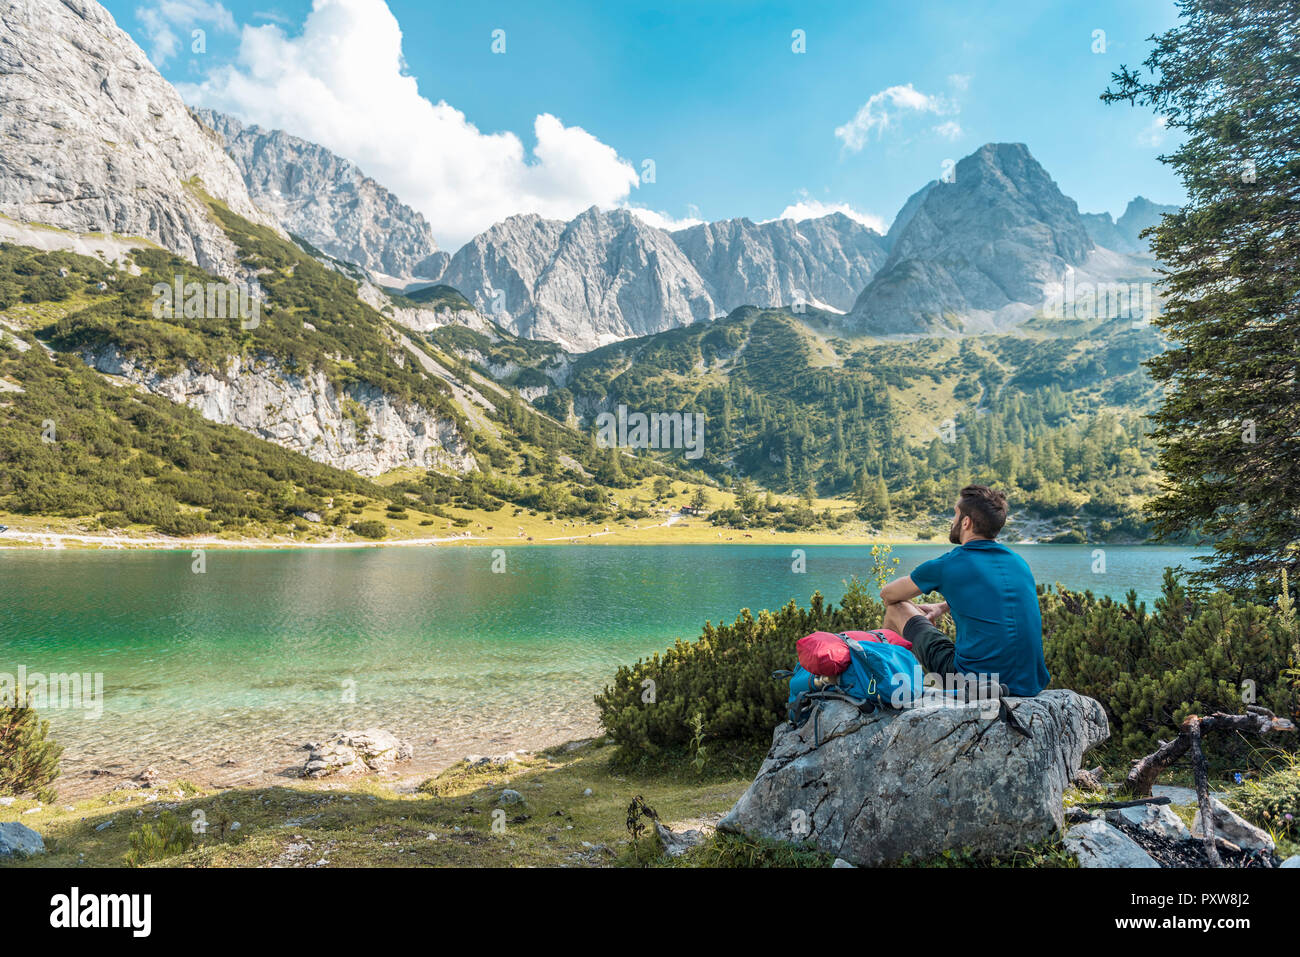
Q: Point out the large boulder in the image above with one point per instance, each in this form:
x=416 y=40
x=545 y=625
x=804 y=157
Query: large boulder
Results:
x=355 y=752
x=19 y=840
x=923 y=780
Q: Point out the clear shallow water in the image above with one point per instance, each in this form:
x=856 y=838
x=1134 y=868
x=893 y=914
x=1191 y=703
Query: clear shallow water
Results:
x=258 y=655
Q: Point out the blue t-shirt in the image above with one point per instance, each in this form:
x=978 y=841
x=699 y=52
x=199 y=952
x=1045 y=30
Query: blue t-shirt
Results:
x=990 y=591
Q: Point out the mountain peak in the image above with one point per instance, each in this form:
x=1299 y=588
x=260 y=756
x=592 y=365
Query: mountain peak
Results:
x=1002 y=152
x=1141 y=213
x=1007 y=166
x=823 y=261
x=977 y=251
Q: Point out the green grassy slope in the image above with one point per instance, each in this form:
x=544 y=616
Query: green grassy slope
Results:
x=1053 y=412
x=123 y=459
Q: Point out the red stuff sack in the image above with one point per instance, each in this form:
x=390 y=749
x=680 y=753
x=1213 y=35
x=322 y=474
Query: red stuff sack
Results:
x=823 y=653
x=880 y=634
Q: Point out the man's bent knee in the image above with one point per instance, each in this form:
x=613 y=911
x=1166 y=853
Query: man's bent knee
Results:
x=899 y=614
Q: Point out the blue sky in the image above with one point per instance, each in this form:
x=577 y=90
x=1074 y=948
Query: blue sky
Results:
x=735 y=121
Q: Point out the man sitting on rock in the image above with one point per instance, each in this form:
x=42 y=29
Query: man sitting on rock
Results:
x=990 y=592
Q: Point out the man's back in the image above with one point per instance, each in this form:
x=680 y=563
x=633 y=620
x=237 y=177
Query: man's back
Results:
x=990 y=592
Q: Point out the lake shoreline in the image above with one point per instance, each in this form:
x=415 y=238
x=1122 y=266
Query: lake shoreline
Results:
x=20 y=539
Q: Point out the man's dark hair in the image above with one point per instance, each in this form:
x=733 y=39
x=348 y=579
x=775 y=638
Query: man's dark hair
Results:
x=986 y=509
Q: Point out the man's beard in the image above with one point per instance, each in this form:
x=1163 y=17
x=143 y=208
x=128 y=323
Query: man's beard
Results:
x=954 y=533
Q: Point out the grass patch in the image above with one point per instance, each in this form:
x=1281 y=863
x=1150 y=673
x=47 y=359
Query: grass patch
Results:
x=1049 y=852
x=365 y=823
x=731 y=850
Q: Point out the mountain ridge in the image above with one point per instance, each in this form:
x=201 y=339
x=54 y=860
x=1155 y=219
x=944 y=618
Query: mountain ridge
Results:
x=980 y=254
x=329 y=201
x=602 y=276
x=823 y=261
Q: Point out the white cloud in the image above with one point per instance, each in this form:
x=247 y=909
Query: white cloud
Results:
x=663 y=220
x=161 y=19
x=882 y=110
x=808 y=208
x=342 y=83
x=959 y=81
x=949 y=130
x=1154 y=135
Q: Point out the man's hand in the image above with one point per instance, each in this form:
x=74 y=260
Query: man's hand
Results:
x=934 y=613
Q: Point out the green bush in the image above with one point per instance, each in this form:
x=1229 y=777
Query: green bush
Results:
x=1273 y=801
x=1149 y=669
x=370 y=529
x=155 y=842
x=1188 y=656
x=29 y=760
x=725 y=677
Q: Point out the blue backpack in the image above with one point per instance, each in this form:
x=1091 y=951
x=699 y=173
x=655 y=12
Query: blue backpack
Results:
x=888 y=675
x=879 y=675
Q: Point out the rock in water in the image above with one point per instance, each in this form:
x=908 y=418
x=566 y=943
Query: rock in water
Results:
x=355 y=752
x=920 y=781
x=1098 y=844
x=19 y=840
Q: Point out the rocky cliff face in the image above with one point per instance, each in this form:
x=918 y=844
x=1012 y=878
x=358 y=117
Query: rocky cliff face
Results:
x=976 y=254
x=328 y=201
x=363 y=429
x=93 y=139
x=823 y=262
x=603 y=276
x=422 y=318
x=905 y=214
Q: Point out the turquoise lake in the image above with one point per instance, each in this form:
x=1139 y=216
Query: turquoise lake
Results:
x=222 y=676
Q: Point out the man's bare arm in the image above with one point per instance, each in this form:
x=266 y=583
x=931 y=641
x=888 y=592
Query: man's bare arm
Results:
x=900 y=589
x=904 y=590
